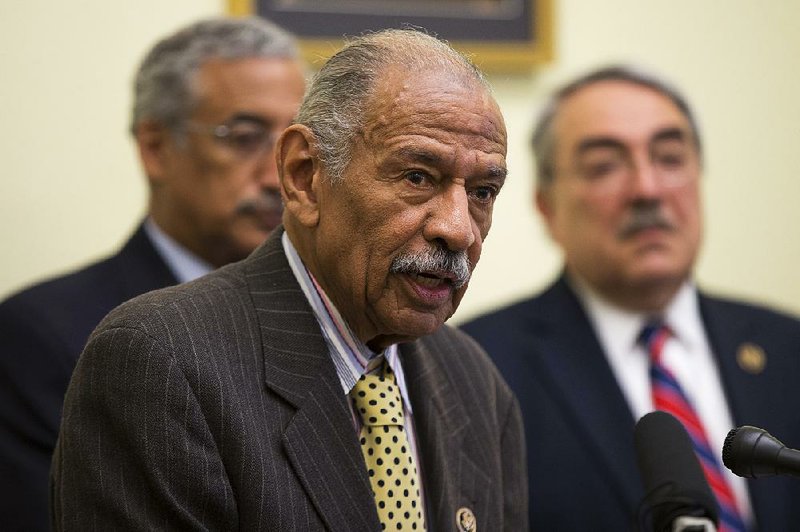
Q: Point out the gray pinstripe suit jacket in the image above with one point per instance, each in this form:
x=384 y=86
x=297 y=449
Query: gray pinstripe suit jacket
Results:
x=214 y=405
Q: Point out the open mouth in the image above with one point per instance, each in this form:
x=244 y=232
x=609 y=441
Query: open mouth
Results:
x=431 y=289
x=430 y=280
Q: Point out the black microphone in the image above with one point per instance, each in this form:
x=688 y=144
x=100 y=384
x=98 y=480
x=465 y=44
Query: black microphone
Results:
x=753 y=453
x=676 y=490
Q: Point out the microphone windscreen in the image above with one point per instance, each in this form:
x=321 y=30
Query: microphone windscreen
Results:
x=734 y=447
x=752 y=452
x=673 y=479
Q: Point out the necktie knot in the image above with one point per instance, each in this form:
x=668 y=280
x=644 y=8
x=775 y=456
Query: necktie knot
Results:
x=653 y=337
x=377 y=400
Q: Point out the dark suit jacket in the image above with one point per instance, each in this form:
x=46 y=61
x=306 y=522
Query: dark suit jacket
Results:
x=215 y=405
x=42 y=331
x=579 y=428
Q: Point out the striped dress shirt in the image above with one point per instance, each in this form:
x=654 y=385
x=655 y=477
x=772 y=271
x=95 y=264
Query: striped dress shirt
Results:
x=351 y=357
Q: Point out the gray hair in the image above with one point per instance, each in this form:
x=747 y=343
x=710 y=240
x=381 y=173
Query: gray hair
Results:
x=163 y=87
x=339 y=96
x=543 y=140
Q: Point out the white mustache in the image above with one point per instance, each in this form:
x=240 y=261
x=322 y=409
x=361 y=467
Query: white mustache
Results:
x=437 y=260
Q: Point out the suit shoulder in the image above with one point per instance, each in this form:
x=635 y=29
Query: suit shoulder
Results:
x=206 y=295
x=58 y=314
x=739 y=312
x=527 y=316
x=525 y=312
x=510 y=313
x=68 y=289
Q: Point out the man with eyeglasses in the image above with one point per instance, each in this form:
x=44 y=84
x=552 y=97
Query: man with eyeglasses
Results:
x=619 y=161
x=209 y=103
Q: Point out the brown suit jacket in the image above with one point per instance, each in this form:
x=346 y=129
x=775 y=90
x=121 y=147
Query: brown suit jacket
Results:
x=214 y=405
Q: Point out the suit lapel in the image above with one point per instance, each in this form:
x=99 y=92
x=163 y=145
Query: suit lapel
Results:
x=727 y=335
x=320 y=440
x=140 y=267
x=451 y=479
x=571 y=358
x=747 y=393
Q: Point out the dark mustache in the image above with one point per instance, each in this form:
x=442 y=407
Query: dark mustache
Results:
x=435 y=260
x=648 y=216
x=269 y=202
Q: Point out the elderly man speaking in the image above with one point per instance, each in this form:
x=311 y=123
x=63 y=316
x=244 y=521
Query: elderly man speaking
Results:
x=313 y=385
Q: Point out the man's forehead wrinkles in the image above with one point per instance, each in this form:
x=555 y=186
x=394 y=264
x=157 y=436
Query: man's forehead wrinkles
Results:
x=439 y=154
x=432 y=117
x=419 y=153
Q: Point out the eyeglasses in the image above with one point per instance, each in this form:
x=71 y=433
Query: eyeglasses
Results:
x=245 y=137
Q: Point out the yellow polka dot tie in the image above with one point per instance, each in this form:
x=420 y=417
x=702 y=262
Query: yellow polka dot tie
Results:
x=391 y=467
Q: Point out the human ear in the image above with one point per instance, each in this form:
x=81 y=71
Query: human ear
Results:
x=152 y=139
x=541 y=201
x=544 y=204
x=300 y=173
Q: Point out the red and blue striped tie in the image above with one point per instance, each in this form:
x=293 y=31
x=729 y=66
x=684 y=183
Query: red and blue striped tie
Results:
x=669 y=397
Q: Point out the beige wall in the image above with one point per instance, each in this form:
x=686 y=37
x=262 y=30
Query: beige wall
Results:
x=738 y=62
x=72 y=189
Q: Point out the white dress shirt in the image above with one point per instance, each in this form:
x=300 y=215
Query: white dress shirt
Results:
x=687 y=354
x=185 y=265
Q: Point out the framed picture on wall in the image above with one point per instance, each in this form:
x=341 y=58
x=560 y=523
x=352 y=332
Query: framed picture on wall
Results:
x=499 y=35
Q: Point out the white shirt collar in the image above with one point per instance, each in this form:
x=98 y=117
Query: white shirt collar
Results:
x=185 y=265
x=683 y=317
x=619 y=329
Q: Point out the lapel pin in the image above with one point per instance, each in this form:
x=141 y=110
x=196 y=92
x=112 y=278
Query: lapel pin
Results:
x=751 y=358
x=465 y=520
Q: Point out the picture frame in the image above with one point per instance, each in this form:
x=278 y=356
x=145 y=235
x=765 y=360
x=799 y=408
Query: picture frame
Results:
x=498 y=35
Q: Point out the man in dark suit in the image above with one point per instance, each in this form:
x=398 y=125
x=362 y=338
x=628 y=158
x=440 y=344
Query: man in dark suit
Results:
x=232 y=402
x=209 y=102
x=619 y=160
